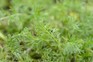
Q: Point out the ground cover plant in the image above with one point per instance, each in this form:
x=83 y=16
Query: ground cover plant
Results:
x=46 y=31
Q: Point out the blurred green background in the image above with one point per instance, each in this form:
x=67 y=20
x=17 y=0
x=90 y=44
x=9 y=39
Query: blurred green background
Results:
x=46 y=31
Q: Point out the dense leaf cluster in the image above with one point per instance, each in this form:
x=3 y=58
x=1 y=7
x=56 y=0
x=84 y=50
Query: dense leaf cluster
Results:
x=46 y=31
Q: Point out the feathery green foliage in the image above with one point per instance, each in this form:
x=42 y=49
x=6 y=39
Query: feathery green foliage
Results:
x=46 y=31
